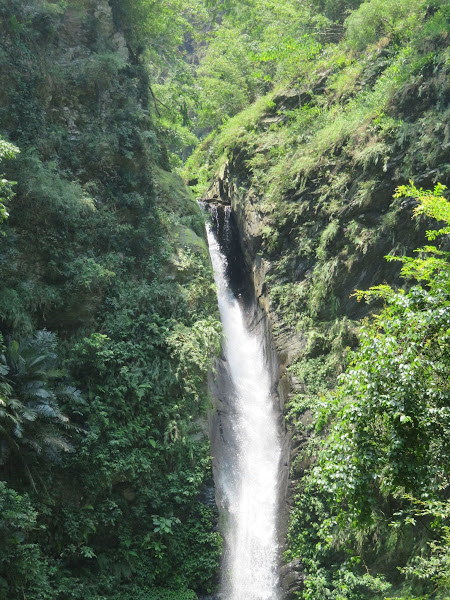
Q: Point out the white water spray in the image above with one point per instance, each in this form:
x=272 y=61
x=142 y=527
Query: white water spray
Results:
x=250 y=489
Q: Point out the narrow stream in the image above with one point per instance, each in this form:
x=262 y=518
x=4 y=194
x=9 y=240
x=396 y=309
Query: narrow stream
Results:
x=247 y=480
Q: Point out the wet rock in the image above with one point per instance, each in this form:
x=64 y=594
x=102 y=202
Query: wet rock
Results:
x=219 y=192
x=292 y=579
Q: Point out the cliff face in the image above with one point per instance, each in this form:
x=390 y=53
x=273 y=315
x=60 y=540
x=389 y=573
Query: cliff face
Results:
x=313 y=201
x=105 y=248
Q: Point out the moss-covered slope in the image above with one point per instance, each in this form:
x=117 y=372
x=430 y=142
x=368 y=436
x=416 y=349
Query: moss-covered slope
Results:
x=103 y=247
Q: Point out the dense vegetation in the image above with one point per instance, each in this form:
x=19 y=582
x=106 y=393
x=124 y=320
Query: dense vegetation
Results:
x=315 y=111
x=377 y=497
x=108 y=317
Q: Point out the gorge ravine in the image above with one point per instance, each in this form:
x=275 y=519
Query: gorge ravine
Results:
x=245 y=432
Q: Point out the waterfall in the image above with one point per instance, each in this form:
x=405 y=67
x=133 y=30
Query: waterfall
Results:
x=248 y=479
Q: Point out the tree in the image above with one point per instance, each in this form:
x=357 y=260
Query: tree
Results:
x=31 y=391
x=7 y=151
x=389 y=421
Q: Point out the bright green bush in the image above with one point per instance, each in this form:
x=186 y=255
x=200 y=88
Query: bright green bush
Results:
x=377 y=18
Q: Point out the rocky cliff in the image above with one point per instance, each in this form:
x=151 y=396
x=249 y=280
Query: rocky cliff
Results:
x=314 y=206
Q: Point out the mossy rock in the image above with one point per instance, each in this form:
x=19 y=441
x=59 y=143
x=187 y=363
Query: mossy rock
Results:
x=174 y=194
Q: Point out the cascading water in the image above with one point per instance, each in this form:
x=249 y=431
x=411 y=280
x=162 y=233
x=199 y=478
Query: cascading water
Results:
x=248 y=479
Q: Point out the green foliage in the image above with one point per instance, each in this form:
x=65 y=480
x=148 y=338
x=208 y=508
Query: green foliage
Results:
x=106 y=248
x=159 y=593
x=23 y=568
x=431 y=203
x=432 y=267
x=435 y=564
x=226 y=86
x=32 y=390
x=193 y=347
x=7 y=151
x=150 y=359
x=336 y=10
x=350 y=118
x=399 y=400
x=377 y=18
x=151 y=25
x=254 y=45
x=387 y=435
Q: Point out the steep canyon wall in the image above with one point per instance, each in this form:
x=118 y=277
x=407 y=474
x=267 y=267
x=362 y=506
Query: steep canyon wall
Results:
x=309 y=243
